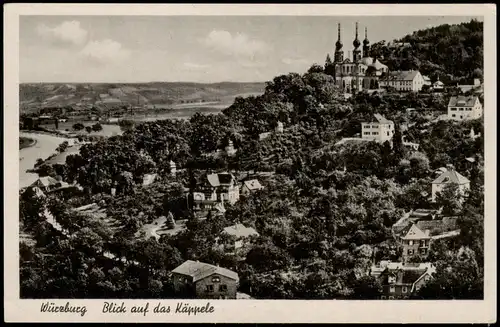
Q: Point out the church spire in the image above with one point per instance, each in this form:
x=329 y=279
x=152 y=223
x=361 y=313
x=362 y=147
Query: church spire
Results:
x=356 y=53
x=339 y=53
x=366 y=45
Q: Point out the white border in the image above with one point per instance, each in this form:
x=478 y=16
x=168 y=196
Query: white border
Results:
x=254 y=311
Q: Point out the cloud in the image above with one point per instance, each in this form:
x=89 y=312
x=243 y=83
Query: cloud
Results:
x=68 y=32
x=105 y=51
x=235 y=45
x=195 y=65
x=295 y=61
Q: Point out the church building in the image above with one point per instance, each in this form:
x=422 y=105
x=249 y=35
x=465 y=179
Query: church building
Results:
x=361 y=72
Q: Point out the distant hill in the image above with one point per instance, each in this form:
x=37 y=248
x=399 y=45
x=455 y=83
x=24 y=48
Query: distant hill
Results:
x=452 y=52
x=36 y=95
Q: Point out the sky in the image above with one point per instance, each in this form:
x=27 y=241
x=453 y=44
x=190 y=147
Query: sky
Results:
x=205 y=49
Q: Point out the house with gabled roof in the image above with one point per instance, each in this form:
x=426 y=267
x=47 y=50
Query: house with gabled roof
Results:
x=379 y=129
x=415 y=242
x=216 y=188
x=464 y=108
x=238 y=234
x=403 y=280
x=405 y=80
x=250 y=186
x=205 y=281
x=450 y=176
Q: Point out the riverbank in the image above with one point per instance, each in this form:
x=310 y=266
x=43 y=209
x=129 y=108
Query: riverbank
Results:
x=26 y=142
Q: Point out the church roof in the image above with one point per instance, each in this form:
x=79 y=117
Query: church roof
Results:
x=378 y=65
x=367 y=61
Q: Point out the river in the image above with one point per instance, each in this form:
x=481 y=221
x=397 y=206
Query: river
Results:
x=44 y=147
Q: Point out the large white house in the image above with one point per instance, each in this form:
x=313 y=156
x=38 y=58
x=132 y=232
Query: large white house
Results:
x=450 y=176
x=217 y=188
x=379 y=130
x=463 y=108
x=406 y=80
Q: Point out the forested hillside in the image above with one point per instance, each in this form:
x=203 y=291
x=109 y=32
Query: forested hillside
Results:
x=452 y=52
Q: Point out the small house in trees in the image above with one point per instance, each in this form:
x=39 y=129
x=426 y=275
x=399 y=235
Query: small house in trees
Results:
x=194 y=279
x=173 y=168
x=230 y=150
x=400 y=281
x=148 y=179
x=380 y=129
x=279 y=128
x=237 y=233
x=250 y=186
x=450 y=176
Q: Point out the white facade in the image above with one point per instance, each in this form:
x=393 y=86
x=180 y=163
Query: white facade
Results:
x=449 y=177
x=463 y=108
x=406 y=81
x=380 y=131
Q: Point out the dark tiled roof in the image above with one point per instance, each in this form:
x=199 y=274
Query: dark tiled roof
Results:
x=462 y=101
x=411 y=276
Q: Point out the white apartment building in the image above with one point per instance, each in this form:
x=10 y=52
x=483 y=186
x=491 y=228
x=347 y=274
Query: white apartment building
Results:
x=379 y=130
x=405 y=81
x=463 y=108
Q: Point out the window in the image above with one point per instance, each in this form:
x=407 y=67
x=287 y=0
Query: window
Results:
x=392 y=289
x=210 y=288
x=215 y=279
x=392 y=279
x=405 y=289
x=223 y=288
x=387 y=133
x=410 y=252
x=453 y=109
x=461 y=109
x=383 y=297
x=374 y=133
x=453 y=115
x=410 y=242
x=391 y=297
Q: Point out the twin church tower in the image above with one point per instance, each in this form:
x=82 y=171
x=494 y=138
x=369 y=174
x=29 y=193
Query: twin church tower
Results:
x=356 y=53
x=360 y=72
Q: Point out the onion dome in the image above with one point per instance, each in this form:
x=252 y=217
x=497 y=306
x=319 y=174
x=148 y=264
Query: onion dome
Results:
x=356 y=42
x=365 y=41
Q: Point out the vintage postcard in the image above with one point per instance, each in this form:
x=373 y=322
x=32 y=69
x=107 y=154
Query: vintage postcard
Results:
x=250 y=163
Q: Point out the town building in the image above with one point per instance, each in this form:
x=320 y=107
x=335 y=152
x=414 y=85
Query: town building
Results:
x=250 y=186
x=464 y=108
x=450 y=176
x=216 y=188
x=194 y=279
x=415 y=242
x=379 y=130
x=361 y=72
x=403 y=280
x=403 y=81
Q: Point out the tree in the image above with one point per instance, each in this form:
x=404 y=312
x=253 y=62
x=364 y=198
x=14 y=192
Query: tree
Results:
x=78 y=126
x=367 y=287
x=97 y=127
x=62 y=147
x=126 y=124
x=88 y=129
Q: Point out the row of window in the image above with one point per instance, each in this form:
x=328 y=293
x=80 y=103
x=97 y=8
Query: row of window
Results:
x=368 y=133
x=392 y=289
x=210 y=288
x=422 y=251
x=422 y=242
x=461 y=109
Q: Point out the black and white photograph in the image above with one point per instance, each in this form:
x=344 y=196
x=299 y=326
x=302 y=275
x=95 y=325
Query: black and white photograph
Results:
x=258 y=157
